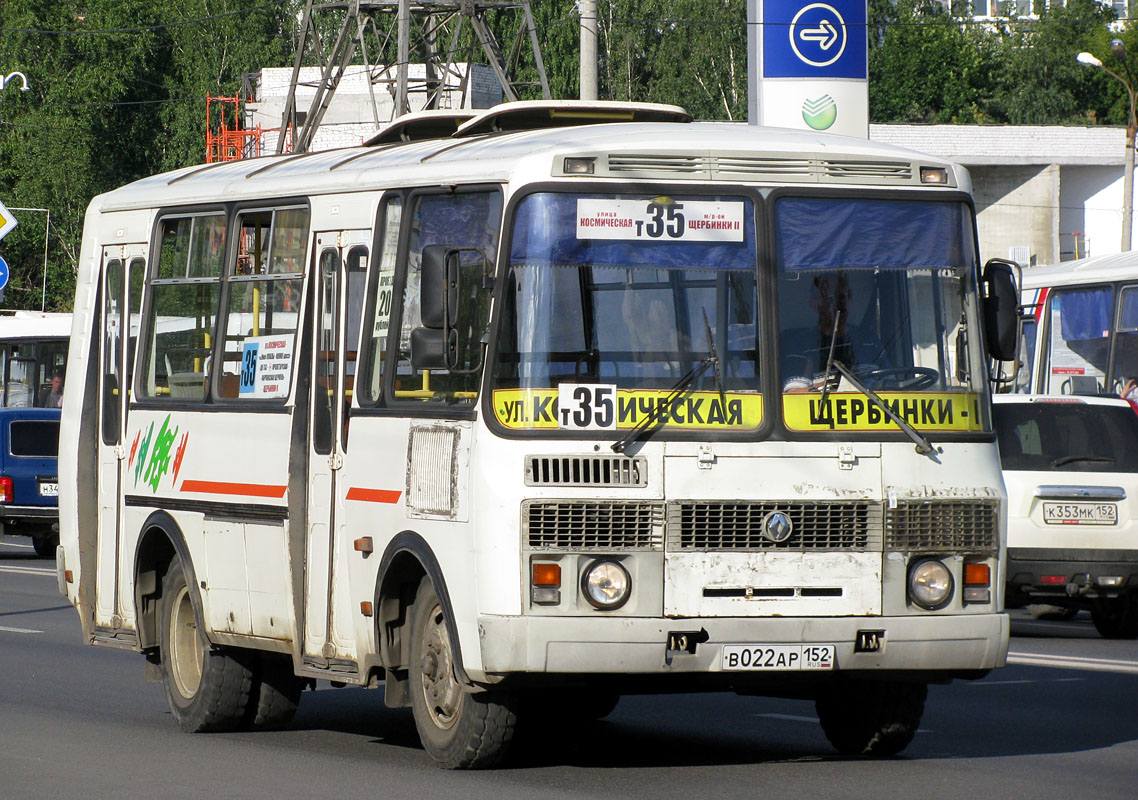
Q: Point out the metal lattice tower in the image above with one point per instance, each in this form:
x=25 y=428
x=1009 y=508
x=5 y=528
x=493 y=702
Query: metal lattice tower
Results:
x=417 y=27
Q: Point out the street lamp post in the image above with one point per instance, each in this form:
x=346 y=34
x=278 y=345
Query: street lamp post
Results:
x=1119 y=51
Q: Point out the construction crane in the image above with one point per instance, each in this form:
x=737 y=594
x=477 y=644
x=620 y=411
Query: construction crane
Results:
x=417 y=26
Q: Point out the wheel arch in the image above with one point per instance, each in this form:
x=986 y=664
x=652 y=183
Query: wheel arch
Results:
x=407 y=560
x=159 y=543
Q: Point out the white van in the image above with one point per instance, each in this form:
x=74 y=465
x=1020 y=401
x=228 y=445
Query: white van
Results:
x=1071 y=469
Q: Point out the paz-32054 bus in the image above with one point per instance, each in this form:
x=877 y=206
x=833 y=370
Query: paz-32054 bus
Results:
x=536 y=415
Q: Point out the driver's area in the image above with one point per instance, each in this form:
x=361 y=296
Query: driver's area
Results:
x=874 y=288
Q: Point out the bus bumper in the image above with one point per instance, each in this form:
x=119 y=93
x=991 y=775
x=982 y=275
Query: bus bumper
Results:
x=613 y=645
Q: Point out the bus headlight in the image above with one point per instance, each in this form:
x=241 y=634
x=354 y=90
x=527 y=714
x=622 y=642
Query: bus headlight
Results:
x=930 y=584
x=606 y=585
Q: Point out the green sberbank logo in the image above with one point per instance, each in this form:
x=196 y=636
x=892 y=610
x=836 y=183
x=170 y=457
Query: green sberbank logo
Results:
x=821 y=113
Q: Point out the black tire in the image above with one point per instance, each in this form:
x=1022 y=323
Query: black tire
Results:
x=274 y=695
x=45 y=543
x=459 y=729
x=1116 y=617
x=871 y=718
x=207 y=688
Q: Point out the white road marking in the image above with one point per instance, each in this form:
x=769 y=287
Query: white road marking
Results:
x=13 y=544
x=1074 y=662
x=6 y=629
x=29 y=570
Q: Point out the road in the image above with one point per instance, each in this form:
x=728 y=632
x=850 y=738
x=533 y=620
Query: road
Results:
x=1060 y=721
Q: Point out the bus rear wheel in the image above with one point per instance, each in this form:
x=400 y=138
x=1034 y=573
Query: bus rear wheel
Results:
x=459 y=729
x=871 y=718
x=274 y=695
x=208 y=688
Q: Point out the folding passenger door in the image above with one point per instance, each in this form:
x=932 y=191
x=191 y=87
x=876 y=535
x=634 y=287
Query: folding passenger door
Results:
x=123 y=271
x=341 y=262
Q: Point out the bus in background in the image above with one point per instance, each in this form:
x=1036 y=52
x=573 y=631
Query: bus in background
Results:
x=1080 y=327
x=583 y=400
x=33 y=358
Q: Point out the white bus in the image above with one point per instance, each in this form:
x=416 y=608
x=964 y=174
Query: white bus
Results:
x=539 y=414
x=1080 y=332
x=33 y=351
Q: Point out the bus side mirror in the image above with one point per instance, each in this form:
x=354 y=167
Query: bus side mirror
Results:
x=1001 y=309
x=435 y=344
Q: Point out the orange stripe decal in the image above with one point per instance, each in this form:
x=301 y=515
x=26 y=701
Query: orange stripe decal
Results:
x=243 y=489
x=373 y=495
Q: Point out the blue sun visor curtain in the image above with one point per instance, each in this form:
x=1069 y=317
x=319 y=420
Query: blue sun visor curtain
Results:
x=1084 y=313
x=545 y=233
x=823 y=233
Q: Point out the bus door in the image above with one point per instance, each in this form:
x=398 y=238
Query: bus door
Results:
x=122 y=274
x=341 y=265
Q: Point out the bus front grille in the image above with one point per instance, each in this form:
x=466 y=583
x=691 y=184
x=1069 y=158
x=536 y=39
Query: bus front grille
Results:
x=595 y=470
x=592 y=525
x=941 y=526
x=741 y=525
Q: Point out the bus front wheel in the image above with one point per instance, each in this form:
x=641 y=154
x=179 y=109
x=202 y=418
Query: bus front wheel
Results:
x=871 y=718
x=459 y=729
x=208 y=688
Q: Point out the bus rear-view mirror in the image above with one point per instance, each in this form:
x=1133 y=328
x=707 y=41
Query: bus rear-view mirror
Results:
x=1001 y=309
x=435 y=344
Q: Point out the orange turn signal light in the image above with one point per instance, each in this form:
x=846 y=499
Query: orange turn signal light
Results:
x=977 y=575
x=546 y=574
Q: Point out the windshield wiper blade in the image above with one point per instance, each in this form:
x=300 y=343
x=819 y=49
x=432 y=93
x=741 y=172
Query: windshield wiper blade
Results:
x=924 y=446
x=653 y=422
x=713 y=356
x=1059 y=462
x=830 y=356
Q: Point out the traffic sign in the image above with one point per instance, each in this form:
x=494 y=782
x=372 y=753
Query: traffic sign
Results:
x=3 y=274
x=7 y=221
x=806 y=39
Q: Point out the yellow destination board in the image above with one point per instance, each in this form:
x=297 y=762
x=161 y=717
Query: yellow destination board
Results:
x=852 y=411
x=580 y=407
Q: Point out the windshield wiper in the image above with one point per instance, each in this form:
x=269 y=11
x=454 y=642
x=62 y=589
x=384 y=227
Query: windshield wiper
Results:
x=924 y=446
x=653 y=422
x=1059 y=462
x=714 y=355
x=830 y=356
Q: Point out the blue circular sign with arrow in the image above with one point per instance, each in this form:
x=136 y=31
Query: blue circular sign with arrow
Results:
x=818 y=35
x=3 y=273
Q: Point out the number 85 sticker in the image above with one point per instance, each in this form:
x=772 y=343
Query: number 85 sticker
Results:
x=586 y=406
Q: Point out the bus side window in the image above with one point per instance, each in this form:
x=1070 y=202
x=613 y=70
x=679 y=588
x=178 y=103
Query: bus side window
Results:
x=467 y=222
x=185 y=285
x=380 y=304
x=264 y=285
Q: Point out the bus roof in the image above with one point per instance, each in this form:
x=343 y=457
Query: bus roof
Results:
x=34 y=325
x=1093 y=269
x=701 y=151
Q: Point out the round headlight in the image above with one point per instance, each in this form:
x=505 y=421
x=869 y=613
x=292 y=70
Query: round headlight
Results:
x=606 y=585
x=930 y=584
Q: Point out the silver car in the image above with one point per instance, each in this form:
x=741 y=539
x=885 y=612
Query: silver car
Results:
x=1071 y=469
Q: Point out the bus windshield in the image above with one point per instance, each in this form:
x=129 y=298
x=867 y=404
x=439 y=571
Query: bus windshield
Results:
x=881 y=287
x=632 y=292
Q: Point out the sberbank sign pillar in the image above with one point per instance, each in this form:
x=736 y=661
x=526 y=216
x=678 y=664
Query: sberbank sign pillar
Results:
x=807 y=65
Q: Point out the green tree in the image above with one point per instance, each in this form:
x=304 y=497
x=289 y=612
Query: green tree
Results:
x=926 y=66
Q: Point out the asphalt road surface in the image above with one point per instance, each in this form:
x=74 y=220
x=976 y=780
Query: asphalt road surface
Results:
x=1061 y=721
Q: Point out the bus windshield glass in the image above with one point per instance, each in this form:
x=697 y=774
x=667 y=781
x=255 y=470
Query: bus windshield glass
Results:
x=612 y=301
x=885 y=288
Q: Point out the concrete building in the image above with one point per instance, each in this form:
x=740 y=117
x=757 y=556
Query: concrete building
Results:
x=1044 y=194
x=351 y=117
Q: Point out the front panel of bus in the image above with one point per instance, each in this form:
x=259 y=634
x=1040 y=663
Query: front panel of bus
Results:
x=748 y=418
